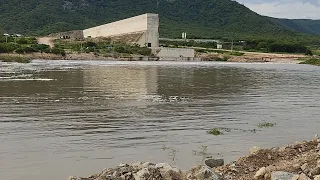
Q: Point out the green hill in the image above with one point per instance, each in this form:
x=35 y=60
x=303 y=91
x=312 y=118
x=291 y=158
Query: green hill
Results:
x=199 y=18
x=301 y=25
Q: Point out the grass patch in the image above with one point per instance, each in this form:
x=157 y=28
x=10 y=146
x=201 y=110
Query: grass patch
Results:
x=215 y=132
x=6 y=58
x=266 y=125
x=312 y=61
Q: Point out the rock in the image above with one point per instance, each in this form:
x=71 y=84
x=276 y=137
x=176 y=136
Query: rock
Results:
x=280 y=175
x=267 y=176
x=143 y=174
x=123 y=165
x=296 y=177
x=168 y=172
x=315 y=139
x=254 y=150
x=317 y=177
x=262 y=171
x=214 y=162
x=202 y=172
x=251 y=169
x=270 y=169
x=315 y=171
x=304 y=167
x=303 y=177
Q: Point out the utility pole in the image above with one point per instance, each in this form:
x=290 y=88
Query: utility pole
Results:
x=232 y=46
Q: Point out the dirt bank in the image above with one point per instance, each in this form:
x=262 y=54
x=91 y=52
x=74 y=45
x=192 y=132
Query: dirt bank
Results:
x=300 y=159
x=253 y=57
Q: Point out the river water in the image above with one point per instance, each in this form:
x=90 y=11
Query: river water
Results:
x=62 y=118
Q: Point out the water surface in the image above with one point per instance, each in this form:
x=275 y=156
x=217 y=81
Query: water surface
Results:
x=62 y=118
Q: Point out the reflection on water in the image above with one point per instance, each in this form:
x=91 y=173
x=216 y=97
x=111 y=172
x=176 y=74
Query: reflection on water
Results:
x=61 y=118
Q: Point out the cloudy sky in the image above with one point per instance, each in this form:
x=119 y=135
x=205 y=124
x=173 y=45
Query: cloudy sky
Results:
x=292 y=9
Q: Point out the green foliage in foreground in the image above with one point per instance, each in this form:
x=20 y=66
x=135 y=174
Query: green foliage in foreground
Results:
x=312 y=61
x=266 y=125
x=18 y=59
x=215 y=132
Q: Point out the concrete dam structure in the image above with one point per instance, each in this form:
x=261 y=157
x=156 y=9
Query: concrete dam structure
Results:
x=146 y=26
x=142 y=30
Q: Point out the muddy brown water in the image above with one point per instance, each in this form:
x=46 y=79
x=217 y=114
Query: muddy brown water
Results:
x=62 y=118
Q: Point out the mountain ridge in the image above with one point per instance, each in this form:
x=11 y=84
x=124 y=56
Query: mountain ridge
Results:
x=199 y=18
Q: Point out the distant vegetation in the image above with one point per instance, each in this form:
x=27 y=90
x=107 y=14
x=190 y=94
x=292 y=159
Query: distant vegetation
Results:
x=312 y=61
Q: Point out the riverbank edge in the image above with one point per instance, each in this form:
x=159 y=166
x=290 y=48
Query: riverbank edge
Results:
x=298 y=161
x=246 y=58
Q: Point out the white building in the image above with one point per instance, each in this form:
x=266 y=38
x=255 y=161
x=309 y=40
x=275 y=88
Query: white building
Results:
x=145 y=26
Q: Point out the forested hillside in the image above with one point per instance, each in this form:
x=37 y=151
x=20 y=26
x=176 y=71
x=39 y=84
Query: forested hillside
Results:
x=199 y=18
x=301 y=25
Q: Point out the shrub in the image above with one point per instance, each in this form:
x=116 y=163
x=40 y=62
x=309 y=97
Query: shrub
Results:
x=144 y=51
x=58 y=51
x=308 y=52
x=41 y=48
x=8 y=47
x=14 y=59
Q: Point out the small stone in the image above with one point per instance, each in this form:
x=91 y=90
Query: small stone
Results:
x=315 y=171
x=267 y=176
x=251 y=169
x=318 y=146
x=214 y=162
x=280 y=175
x=297 y=166
x=143 y=174
x=123 y=165
x=296 y=177
x=262 y=171
x=116 y=174
x=269 y=157
x=282 y=149
x=304 y=177
x=270 y=168
x=317 y=177
x=315 y=139
x=254 y=150
x=304 y=167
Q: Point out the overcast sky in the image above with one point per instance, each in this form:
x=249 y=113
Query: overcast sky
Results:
x=292 y=9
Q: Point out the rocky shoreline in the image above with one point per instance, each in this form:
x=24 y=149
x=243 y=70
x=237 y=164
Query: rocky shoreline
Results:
x=299 y=161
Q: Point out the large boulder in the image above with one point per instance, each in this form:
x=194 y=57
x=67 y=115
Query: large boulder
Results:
x=214 y=162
